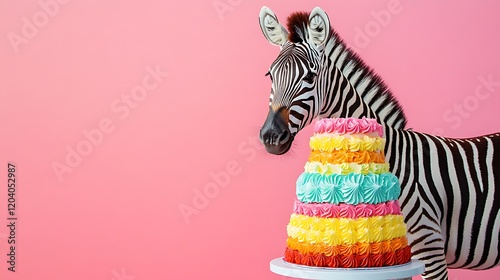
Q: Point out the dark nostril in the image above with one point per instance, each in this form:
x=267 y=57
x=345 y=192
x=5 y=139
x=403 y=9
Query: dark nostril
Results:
x=284 y=137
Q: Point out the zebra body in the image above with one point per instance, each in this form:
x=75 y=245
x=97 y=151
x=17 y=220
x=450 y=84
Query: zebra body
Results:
x=448 y=198
x=449 y=194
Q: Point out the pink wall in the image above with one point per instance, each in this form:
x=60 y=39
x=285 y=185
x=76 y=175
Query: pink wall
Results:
x=171 y=95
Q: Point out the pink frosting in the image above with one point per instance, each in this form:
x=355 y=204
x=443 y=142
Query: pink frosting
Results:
x=326 y=210
x=381 y=210
x=347 y=211
x=348 y=126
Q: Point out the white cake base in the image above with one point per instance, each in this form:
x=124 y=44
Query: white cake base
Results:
x=281 y=267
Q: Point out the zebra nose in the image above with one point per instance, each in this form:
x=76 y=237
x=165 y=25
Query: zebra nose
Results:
x=276 y=143
x=275 y=134
x=274 y=138
x=284 y=137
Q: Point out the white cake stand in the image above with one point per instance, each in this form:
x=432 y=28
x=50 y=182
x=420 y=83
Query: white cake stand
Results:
x=281 y=267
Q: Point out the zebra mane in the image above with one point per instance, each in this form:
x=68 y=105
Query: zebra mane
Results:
x=362 y=77
x=297 y=27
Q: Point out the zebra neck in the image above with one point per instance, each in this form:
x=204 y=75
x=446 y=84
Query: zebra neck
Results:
x=365 y=82
x=339 y=98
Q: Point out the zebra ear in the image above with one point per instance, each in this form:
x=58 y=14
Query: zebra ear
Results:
x=319 y=26
x=274 y=32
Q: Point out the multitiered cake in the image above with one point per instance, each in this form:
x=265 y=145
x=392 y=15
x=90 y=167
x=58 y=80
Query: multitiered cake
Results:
x=347 y=212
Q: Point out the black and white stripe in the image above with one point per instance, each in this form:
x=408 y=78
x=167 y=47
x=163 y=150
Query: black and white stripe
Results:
x=449 y=198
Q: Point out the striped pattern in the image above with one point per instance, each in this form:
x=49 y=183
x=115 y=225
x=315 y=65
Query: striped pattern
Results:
x=294 y=90
x=449 y=198
x=449 y=194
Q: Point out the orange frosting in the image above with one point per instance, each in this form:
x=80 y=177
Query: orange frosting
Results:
x=364 y=248
x=397 y=257
x=341 y=156
x=342 y=250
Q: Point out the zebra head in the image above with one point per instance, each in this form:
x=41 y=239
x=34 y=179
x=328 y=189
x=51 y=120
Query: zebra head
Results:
x=295 y=75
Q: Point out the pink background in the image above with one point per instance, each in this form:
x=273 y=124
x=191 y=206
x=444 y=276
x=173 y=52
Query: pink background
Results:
x=117 y=215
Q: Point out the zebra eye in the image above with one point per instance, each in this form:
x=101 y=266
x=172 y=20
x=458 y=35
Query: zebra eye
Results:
x=269 y=74
x=309 y=78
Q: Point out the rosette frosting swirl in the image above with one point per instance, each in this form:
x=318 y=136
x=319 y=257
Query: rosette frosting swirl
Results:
x=359 y=248
x=329 y=144
x=315 y=230
x=348 y=126
x=340 y=157
x=397 y=257
x=352 y=188
x=347 y=212
x=346 y=168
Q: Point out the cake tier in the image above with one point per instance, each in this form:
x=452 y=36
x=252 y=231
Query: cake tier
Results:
x=352 y=188
x=348 y=126
x=342 y=250
x=329 y=143
x=340 y=157
x=335 y=231
x=346 y=168
x=343 y=210
x=347 y=212
x=400 y=256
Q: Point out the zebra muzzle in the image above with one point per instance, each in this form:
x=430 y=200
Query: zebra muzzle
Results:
x=275 y=134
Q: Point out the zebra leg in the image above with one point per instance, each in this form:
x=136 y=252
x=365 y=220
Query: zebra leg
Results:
x=424 y=234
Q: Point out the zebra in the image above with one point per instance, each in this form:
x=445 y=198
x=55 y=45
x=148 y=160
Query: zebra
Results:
x=448 y=195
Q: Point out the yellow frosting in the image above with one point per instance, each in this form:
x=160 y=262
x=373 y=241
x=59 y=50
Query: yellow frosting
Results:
x=335 y=231
x=346 y=143
x=346 y=168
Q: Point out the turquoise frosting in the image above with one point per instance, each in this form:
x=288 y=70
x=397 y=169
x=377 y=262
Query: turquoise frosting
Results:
x=351 y=188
